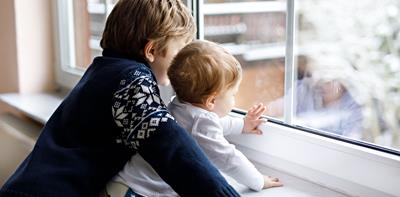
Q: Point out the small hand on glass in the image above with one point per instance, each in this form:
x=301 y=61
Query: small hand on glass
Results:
x=253 y=119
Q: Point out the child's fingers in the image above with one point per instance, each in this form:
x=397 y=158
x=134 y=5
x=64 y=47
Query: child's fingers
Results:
x=254 y=131
x=251 y=110
x=256 y=111
x=260 y=111
x=258 y=106
x=275 y=184
x=255 y=107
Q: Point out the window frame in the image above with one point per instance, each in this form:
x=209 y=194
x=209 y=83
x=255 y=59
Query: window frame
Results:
x=290 y=79
x=278 y=135
x=66 y=74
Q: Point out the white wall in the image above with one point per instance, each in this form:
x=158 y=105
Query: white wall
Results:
x=27 y=61
x=26 y=46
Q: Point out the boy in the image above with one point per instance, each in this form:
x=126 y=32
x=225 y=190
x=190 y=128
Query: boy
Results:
x=205 y=78
x=115 y=111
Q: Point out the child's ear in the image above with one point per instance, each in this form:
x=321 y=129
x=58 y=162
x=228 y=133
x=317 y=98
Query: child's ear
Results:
x=210 y=102
x=149 y=51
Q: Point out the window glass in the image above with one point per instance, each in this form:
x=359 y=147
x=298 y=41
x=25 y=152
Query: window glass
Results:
x=254 y=31
x=89 y=21
x=348 y=68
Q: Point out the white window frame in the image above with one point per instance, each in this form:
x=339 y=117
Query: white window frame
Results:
x=342 y=166
x=67 y=74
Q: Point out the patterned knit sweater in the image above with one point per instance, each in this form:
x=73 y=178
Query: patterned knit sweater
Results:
x=114 y=111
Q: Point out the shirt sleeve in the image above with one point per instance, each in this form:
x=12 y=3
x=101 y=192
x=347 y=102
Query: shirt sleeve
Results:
x=147 y=127
x=208 y=133
x=231 y=125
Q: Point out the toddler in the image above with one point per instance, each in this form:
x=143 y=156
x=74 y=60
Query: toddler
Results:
x=206 y=79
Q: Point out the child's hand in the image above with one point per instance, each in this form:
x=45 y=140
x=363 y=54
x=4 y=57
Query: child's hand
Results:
x=252 y=119
x=271 y=182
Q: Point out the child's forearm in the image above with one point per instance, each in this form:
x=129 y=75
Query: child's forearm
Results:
x=233 y=163
x=231 y=125
x=244 y=172
x=179 y=161
x=224 y=155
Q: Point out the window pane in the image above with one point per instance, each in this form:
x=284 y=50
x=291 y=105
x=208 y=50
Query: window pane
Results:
x=89 y=20
x=348 y=64
x=254 y=31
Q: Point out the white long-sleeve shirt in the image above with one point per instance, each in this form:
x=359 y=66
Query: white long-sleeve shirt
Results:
x=208 y=130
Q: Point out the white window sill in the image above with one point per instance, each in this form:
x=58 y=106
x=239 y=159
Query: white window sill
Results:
x=36 y=106
x=293 y=186
x=307 y=164
x=346 y=168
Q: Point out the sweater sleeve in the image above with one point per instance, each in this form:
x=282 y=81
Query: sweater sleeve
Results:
x=147 y=127
x=232 y=125
x=208 y=133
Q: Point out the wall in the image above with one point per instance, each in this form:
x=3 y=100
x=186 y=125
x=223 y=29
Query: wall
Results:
x=35 y=49
x=8 y=48
x=27 y=61
x=26 y=50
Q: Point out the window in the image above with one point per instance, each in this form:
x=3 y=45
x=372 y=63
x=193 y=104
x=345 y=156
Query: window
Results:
x=85 y=21
x=338 y=77
x=327 y=67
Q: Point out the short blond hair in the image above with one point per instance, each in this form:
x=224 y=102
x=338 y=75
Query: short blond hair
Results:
x=133 y=23
x=201 y=69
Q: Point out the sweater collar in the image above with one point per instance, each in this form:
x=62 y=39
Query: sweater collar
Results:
x=114 y=54
x=189 y=107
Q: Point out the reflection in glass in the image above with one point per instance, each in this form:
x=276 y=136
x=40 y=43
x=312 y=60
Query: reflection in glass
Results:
x=348 y=59
x=327 y=98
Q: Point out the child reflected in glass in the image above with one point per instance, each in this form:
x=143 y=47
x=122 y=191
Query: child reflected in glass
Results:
x=327 y=97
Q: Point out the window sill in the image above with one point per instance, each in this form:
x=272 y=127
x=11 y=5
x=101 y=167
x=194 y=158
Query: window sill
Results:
x=293 y=186
x=346 y=168
x=39 y=107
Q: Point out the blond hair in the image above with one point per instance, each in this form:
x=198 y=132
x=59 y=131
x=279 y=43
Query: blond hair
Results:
x=201 y=69
x=133 y=23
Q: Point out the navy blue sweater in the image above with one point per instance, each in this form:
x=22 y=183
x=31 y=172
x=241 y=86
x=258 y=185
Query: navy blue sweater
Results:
x=114 y=111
